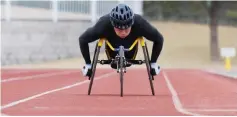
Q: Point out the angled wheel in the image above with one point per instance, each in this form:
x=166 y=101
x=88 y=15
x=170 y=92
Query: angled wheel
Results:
x=90 y=72
x=148 y=66
x=94 y=63
x=149 y=60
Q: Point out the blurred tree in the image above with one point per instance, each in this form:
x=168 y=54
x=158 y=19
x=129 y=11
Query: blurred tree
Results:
x=213 y=11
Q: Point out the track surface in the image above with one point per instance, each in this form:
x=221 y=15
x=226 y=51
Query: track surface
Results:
x=64 y=92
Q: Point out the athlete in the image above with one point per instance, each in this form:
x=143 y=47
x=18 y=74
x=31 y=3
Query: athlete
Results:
x=121 y=27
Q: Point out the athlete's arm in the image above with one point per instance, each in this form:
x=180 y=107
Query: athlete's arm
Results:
x=90 y=35
x=152 y=34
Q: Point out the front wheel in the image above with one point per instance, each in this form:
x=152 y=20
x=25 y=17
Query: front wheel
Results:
x=121 y=76
x=121 y=67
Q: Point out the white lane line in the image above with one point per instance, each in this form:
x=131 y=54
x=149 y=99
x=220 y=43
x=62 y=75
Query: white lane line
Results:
x=15 y=71
x=36 y=76
x=4 y=114
x=175 y=98
x=53 y=91
x=213 y=110
x=222 y=73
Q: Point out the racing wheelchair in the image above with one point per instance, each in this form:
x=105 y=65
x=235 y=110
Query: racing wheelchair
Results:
x=121 y=62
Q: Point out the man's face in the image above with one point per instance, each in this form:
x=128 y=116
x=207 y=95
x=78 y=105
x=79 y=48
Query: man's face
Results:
x=122 y=33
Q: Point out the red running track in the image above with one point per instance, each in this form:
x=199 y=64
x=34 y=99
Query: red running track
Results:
x=178 y=92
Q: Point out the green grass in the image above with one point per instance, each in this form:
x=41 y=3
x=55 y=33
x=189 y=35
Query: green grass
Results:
x=231 y=14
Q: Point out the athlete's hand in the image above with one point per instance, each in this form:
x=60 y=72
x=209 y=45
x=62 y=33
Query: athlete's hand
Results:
x=85 y=69
x=155 y=68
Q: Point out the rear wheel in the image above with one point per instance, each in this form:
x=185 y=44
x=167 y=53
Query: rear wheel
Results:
x=148 y=57
x=94 y=63
x=93 y=60
x=148 y=66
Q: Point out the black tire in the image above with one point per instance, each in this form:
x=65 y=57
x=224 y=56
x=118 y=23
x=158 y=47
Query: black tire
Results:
x=148 y=68
x=149 y=60
x=121 y=65
x=94 y=63
x=93 y=60
x=121 y=76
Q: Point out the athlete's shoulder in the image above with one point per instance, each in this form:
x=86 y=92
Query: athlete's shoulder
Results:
x=102 y=26
x=104 y=20
x=140 y=23
x=139 y=18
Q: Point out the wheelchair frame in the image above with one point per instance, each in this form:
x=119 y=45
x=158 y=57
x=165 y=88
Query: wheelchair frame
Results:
x=121 y=62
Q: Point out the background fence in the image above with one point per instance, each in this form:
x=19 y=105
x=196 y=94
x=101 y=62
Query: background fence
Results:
x=56 y=10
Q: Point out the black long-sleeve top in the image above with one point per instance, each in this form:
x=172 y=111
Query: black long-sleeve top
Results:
x=104 y=29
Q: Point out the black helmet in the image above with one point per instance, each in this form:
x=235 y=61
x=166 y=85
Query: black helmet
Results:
x=122 y=16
